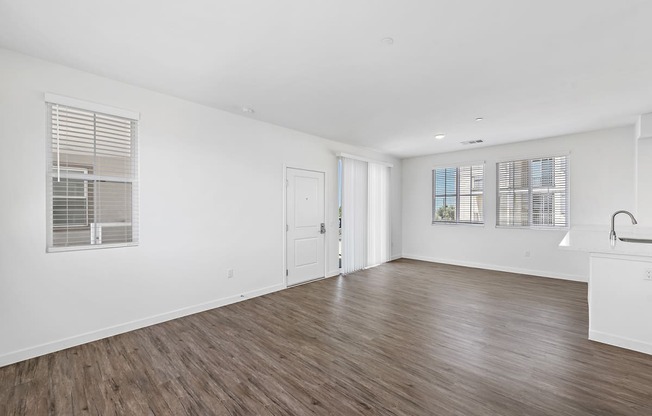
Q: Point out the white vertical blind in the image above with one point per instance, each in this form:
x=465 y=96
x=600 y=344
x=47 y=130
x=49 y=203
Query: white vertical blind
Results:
x=533 y=192
x=354 y=215
x=93 y=178
x=365 y=214
x=378 y=221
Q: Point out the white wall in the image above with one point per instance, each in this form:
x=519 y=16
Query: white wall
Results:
x=644 y=179
x=602 y=171
x=211 y=199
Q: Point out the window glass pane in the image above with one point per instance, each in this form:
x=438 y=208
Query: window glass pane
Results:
x=440 y=182
x=445 y=213
x=439 y=202
x=465 y=180
x=117 y=233
x=560 y=209
x=505 y=208
x=542 y=209
x=521 y=174
x=521 y=215
x=513 y=209
x=69 y=212
x=451 y=204
x=504 y=175
x=73 y=236
x=116 y=202
x=542 y=173
x=69 y=187
x=451 y=181
x=440 y=213
x=465 y=208
x=536 y=173
x=477 y=178
x=477 y=208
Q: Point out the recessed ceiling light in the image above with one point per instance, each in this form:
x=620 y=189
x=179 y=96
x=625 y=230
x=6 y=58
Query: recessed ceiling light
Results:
x=440 y=136
x=387 y=41
x=247 y=110
x=479 y=119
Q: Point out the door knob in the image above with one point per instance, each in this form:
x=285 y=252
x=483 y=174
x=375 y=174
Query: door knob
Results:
x=322 y=229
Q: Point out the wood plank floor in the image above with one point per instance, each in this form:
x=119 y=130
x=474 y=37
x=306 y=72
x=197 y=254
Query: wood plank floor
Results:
x=406 y=338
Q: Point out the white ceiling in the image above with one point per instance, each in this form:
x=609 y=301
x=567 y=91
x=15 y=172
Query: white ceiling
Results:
x=531 y=68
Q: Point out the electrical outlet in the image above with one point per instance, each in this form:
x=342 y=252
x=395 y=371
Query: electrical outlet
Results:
x=229 y=273
x=648 y=274
x=527 y=253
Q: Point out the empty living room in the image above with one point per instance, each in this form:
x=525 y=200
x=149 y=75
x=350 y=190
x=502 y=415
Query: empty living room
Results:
x=220 y=207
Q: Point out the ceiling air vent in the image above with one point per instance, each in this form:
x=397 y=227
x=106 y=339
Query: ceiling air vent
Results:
x=472 y=142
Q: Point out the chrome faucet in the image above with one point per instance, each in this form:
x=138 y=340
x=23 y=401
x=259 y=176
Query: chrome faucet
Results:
x=612 y=234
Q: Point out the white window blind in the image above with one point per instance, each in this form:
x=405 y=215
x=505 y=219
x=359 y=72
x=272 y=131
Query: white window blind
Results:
x=92 y=179
x=458 y=194
x=354 y=214
x=533 y=192
x=366 y=226
x=378 y=220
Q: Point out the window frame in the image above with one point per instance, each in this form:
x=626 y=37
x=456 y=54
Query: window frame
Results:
x=86 y=173
x=433 y=195
x=530 y=192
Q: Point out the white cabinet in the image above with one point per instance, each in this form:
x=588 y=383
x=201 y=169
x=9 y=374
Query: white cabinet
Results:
x=620 y=301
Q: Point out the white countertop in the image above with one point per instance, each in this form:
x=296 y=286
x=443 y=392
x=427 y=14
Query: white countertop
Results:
x=596 y=240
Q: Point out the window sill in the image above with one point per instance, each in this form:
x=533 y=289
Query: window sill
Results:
x=470 y=224
x=89 y=247
x=527 y=227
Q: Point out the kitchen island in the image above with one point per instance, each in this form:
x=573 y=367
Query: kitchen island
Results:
x=620 y=286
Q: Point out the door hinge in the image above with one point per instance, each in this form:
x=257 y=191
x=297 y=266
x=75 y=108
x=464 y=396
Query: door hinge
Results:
x=287 y=182
x=287 y=272
x=287 y=227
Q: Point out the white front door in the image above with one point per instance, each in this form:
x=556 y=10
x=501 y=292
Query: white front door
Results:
x=305 y=226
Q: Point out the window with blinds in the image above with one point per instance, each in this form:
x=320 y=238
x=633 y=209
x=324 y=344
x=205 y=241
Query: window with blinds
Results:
x=92 y=179
x=533 y=193
x=457 y=194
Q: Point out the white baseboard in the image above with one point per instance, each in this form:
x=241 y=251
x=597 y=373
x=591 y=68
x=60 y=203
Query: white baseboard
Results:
x=49 y=347
x=396 y=257
x=541 y=273
x=628 y=343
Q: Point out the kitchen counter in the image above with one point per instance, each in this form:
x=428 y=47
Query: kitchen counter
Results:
x=596 y=240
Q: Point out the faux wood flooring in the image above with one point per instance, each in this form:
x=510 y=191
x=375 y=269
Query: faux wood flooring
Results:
x=406 y=338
